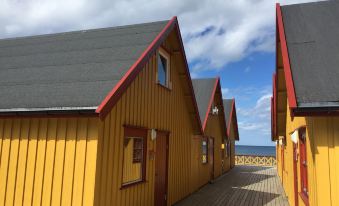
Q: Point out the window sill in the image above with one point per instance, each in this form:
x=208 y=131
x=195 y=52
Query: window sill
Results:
x=304 y=198
x=165 y=87
x=127 y=185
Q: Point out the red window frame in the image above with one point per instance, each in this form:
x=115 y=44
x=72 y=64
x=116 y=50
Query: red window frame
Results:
x=303 y=165
x=134 y=131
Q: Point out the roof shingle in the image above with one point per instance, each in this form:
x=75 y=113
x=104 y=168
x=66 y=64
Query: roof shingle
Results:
x=69 y=70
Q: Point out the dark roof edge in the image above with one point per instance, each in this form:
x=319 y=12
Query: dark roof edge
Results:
x=316 y=111
x=48 y=109
x=50 y=112
x=318 y=104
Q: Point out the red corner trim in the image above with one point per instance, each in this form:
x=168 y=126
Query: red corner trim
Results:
x=210 y=102
x=114 y=95
x=188 y=76
x=286 y=61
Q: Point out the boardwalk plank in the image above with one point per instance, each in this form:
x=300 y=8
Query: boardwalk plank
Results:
x=244 y=185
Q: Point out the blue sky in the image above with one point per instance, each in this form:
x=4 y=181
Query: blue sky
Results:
x=248 y=81
x=233 y=39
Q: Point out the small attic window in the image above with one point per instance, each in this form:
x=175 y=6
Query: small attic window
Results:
x=163 y=68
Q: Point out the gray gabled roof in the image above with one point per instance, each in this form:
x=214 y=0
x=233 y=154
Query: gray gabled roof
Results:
x=229 y=105
x=227 y=109
x=69 y=71
x=203 y=89
x=312 y=35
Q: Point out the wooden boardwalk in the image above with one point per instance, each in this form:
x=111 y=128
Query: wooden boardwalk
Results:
x=243 y=185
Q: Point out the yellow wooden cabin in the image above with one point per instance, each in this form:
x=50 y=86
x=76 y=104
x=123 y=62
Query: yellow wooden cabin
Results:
x=209 y=157
x=98 y=117
x=232 y=128
x=305 y=122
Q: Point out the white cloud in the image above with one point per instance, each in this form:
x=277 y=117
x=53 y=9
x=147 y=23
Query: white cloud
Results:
x=254 y=119
x=258 y=117
x=244 y=94
x=233 y=28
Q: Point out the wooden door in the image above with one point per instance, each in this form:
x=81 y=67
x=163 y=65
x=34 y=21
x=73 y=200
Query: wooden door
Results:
x=211 y=156
x=161 y=169
x=295 y=172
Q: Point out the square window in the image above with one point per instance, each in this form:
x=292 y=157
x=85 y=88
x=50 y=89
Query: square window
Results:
x=134 y=155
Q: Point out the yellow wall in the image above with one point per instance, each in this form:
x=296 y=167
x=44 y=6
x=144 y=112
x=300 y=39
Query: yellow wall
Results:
x=48 y=161
x=200 y=173
x=232 y=141
x=149 y=105
x=322 y=159
x=215 y=130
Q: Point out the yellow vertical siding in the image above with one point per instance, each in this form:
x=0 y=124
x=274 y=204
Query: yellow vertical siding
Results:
x=232 y=142
x=322 y=159
x=44 y=161
x=200 y=173
x=215 y=129
x=149 y=105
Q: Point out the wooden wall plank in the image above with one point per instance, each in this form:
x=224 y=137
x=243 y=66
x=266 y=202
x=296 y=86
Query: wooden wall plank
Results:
x=49 y=161
x=40 y=163
x=67 y=188
x=31 y=159
x=59 y=162
x=22 y=158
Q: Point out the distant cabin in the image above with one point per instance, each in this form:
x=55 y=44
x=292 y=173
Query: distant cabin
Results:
x=210 y=159
x=232 y=128
x=100 y=117
x=305 y=103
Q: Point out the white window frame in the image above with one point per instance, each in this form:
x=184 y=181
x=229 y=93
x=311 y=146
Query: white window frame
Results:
x=167 y=56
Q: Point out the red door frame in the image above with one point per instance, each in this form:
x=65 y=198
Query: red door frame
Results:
x=162 y=134
x=303 y=166
x=295 y=171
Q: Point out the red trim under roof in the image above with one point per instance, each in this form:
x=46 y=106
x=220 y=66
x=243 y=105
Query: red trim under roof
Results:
x=115 y=94
x=233 y=113
x=286 y=61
